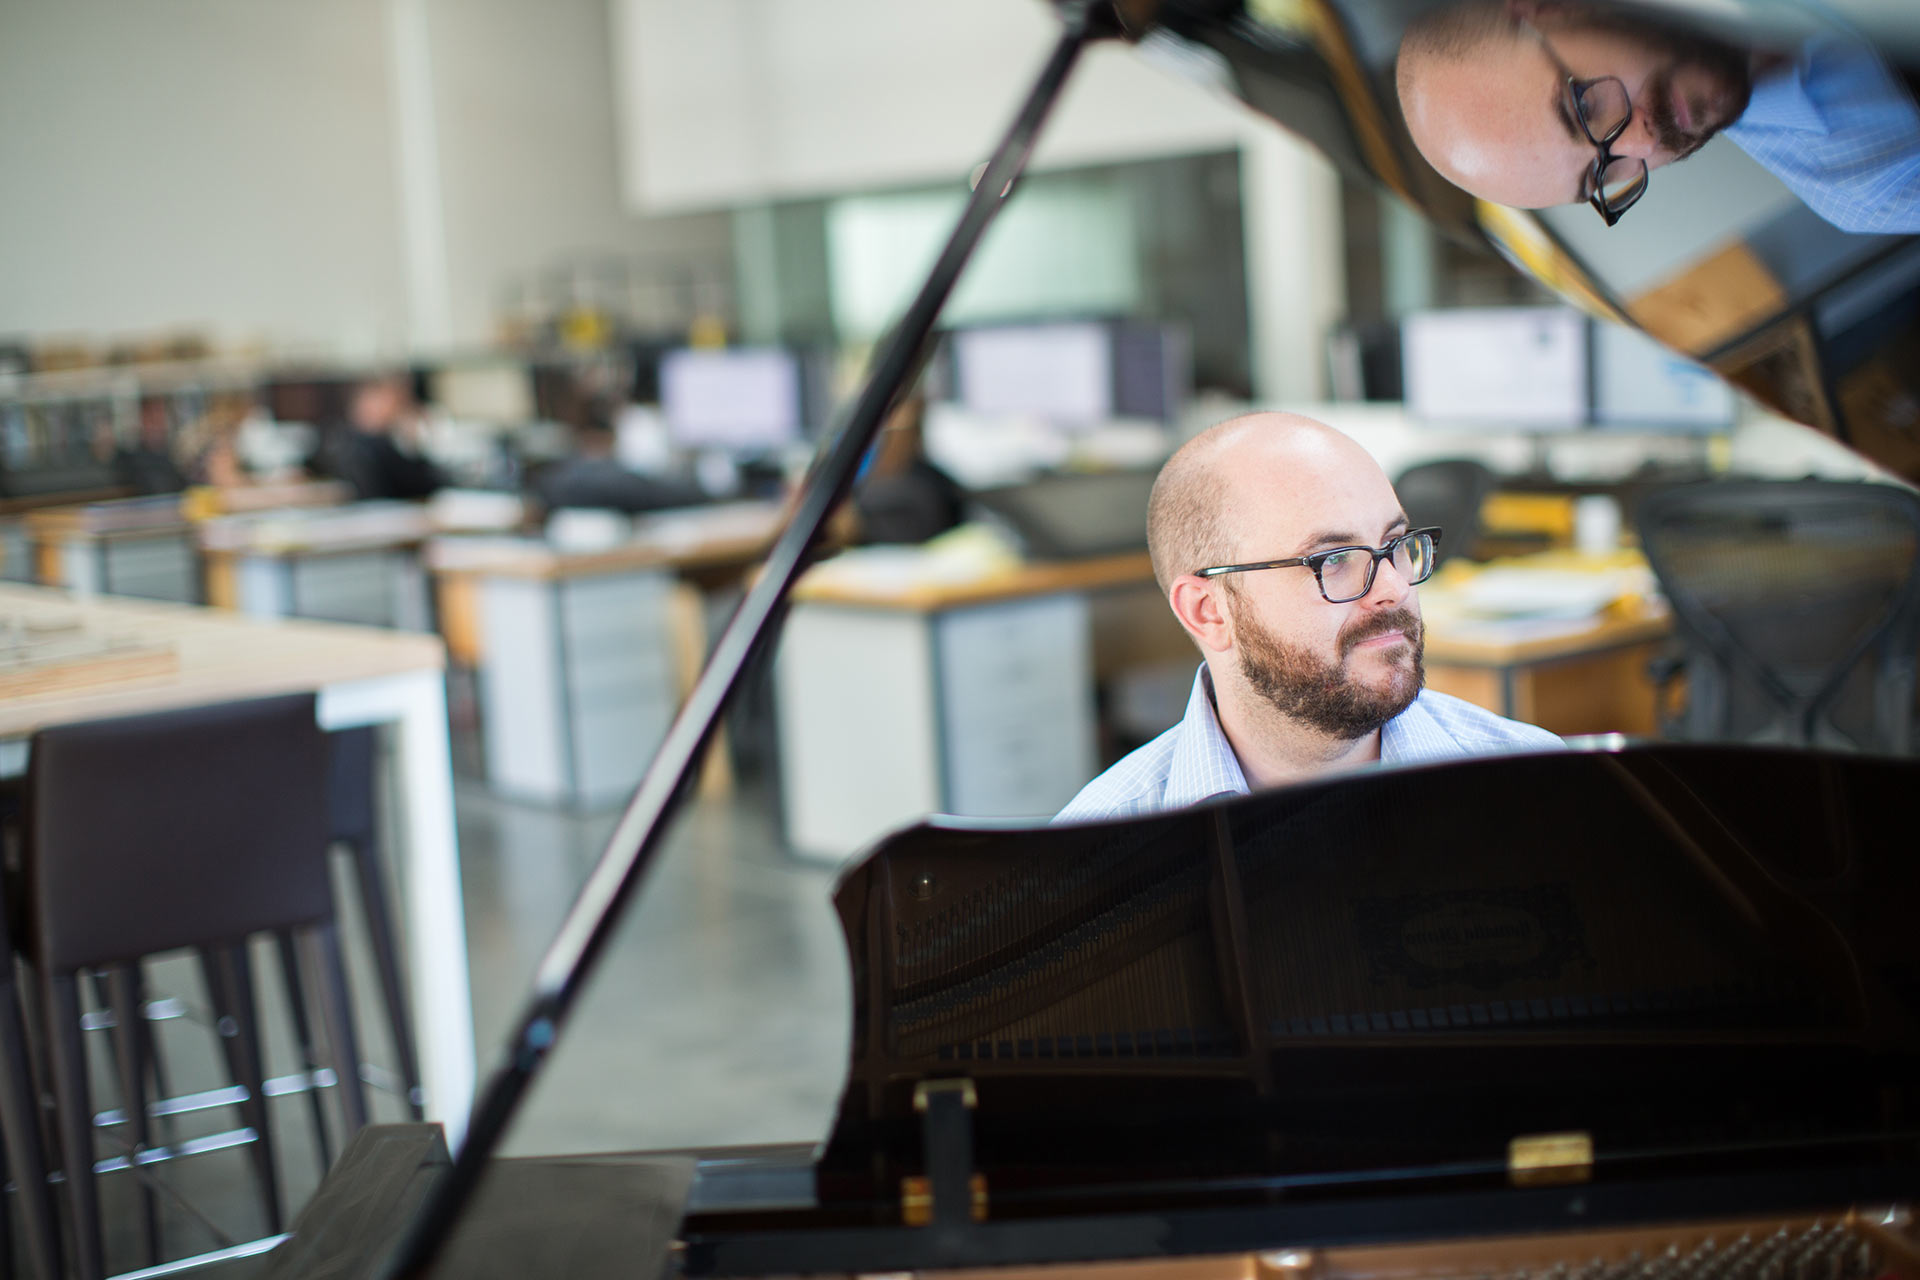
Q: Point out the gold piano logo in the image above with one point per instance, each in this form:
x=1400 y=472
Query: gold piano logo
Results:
x=1486 y=939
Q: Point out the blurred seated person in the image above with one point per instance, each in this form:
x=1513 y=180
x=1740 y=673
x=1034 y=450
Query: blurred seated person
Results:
x=146 y=466
x=904 y=498
x=594 y=477
x=376 y=451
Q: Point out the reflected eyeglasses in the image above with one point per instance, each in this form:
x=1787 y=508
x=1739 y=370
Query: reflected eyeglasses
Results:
x=1603 y=110
x=1346 y=573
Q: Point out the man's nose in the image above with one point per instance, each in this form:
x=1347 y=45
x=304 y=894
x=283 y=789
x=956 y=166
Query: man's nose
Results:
x=1639 y=139
x=1390 y=586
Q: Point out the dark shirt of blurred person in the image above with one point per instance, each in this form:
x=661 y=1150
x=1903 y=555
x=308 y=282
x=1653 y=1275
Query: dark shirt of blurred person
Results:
x=375 y=450
x=594 y=477
x=904 y=498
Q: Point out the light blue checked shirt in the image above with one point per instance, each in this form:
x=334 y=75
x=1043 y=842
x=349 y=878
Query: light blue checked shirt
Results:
x=1193 y=761
x=1841 y=132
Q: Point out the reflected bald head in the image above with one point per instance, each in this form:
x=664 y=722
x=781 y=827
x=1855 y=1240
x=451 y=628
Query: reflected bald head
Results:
x=1215 y=494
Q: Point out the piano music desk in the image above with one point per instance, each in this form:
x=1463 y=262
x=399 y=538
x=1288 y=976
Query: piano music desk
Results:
x=969 y=697
x=362 y=677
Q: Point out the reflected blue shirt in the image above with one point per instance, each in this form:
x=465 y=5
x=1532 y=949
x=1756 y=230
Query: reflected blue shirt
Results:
x=1841 y=133
x=1193 y=761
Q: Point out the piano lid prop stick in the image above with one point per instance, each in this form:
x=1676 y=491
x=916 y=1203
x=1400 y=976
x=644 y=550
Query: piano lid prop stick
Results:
x=635 y=841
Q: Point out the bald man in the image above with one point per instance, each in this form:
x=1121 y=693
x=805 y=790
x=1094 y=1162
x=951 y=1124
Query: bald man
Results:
x=1484 y=88
x=1312 y=660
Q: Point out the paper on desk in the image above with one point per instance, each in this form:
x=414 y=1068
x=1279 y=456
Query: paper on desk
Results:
x=1549 y=593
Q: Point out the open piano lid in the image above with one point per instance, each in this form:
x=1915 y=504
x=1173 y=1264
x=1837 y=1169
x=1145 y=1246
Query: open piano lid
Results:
x=1303 y=1001
x=1783 y=260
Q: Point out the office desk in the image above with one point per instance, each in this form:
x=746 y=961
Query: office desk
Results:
x=358 y=563
x=362 y=677
x=140 y=547
x=1573 y=677
x=584 y=656
x=968 y=697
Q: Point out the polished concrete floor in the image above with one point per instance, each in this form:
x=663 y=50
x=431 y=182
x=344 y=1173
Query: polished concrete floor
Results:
x=719 y=1014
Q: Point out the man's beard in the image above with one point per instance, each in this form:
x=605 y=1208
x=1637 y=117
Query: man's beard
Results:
x=1683 y=45
x=1318 y=693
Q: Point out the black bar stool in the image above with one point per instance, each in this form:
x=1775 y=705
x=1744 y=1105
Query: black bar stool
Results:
x=185 y=829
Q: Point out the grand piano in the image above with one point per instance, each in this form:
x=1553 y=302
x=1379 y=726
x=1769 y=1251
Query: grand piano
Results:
x=1635 y=1013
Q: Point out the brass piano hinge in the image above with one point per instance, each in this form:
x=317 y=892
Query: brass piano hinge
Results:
x=927 y=1088
x=916 y=1199
x=1549 y=1159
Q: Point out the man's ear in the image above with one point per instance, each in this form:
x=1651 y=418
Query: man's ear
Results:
x=1200 y=605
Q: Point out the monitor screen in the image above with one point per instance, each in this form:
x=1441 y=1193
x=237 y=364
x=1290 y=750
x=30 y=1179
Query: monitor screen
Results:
x=1059 y=373
x=742 y=399
x=1638 y=385
x=1517 y=367
x=496 y=393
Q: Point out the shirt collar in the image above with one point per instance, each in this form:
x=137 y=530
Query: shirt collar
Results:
x=1780 y=98
x=1203 y=763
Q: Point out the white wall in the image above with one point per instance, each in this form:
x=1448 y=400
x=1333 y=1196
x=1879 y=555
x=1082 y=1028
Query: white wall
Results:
x=726 y=101
x=737 y=101
x=529 y=168
x=254 y=167
x=183 y=162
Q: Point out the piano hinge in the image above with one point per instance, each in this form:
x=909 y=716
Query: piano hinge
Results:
x=951 y=1193
x=916 y=1200
x=1548 y=1159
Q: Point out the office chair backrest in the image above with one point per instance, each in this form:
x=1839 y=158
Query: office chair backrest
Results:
x=177 y=829
x=1790 y=588
x=1450 y=494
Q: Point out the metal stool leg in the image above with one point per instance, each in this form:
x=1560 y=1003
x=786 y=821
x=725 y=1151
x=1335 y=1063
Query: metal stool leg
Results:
x=74 y=1116
x=20 y=1125
x=230 y=984
x=123 y=993
x=303 y=1035
x=320 y=945
x=386 y=955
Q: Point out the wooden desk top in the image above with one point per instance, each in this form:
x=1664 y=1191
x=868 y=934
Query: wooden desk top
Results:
x=1027 y=580
x=20 y=506
x=735 y=534
x=124 y=518
x=221 y=657
x=317 y=531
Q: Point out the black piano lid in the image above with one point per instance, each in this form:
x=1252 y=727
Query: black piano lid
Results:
x=1700 y=956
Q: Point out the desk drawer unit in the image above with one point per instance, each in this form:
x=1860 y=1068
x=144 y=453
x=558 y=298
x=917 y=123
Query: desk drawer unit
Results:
x=889 y=715
x=368 y=588
x=578 y=685
x=158 y=568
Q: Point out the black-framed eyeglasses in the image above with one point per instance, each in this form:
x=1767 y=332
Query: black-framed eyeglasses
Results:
x=1603 y=109
x=1346 y=573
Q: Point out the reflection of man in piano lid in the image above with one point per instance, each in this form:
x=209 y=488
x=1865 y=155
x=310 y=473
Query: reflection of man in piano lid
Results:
x=1284 y=552
x=1533 y=103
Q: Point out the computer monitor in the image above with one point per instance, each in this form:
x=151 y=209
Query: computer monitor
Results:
x=740 y=400
x=1639 y=385
x=493 y=393
x=1497 y=367
x=1059 y=373
x=1073 y=373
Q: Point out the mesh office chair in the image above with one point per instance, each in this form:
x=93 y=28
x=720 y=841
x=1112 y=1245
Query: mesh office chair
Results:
x=1450 y=494
x=1799 y=605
